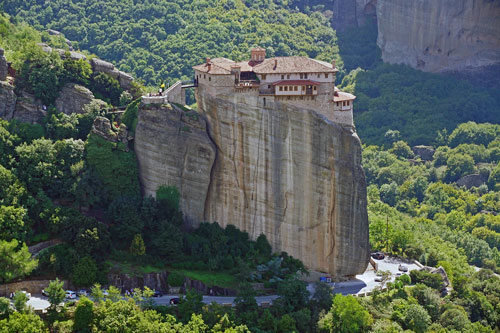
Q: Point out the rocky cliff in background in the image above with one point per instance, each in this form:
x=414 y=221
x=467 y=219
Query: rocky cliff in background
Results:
x=439 y=35
x=285 y=172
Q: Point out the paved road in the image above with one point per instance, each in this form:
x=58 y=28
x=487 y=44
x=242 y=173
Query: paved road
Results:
x=165 y=299
x=362 y=284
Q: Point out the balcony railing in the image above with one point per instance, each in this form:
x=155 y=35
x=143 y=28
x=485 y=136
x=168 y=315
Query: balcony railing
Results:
x=247 y=84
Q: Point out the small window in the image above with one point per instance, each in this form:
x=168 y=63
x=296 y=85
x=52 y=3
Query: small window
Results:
x=204 y=76
x=348 y=103
x=268 y=86
x=282 y=76
x=288 y=76
x=315 y=88
x=209 y=79
x=263 y=76
x=305 y=76
x=303 y=88
x=286 y=88
x=326 y=76
x=301 y=75
x=318 y=76
x=281 y=88
x=345 y=103
x=295 y=88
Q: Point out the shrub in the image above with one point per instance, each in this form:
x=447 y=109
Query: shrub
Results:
x=429 y=279
x=137 y=247
x=175 y=279
x=85 y=272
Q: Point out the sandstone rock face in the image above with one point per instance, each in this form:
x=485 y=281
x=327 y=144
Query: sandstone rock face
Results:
x=28 y=109
x=351 y=13
x=7 y=100
x=286 y=172
x=292 y=175
x=470 y=181
x=3 y=66
x=123 y=78
x=173 y=148
x=426 y=153
x=102 y=127
x=72 y=98
x=439 y=35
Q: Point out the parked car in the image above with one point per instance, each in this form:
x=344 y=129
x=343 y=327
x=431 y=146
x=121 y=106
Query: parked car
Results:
x=82 y=292
x=402 y=268
x=378 y=255
x=378 y=278
x=70 y=294
x=157 y=293
x=174 y=300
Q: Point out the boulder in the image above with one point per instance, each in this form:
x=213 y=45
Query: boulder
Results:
x=469 y=181
x=73 y=98
x=28 y=109
x=7 y=100
x=125 y=80
x=102 y=127
x=426 y=153
x=102 y=66
x=4 y=68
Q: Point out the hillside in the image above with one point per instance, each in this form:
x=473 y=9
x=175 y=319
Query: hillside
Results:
x=73 y=177
x=160 y=40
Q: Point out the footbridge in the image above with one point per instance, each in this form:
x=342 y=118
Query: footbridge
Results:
x=174 y=94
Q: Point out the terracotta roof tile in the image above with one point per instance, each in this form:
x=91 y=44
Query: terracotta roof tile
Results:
x=293 y=65
x=340 y=96
x=269 y=66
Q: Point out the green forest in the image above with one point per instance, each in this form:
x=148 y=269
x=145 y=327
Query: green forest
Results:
x=58 y=180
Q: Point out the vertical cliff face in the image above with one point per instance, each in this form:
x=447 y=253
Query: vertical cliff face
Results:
x=439 y=35
x=286 y=172
x=292 y=175
x=351 y=13
x=173 y=148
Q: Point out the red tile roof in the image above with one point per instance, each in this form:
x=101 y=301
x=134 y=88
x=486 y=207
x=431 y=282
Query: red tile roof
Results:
x=296 y=83
x=276 y=65
x=340 y=96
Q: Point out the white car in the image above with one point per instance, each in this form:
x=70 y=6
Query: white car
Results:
x=402 y=268
x=70 y=294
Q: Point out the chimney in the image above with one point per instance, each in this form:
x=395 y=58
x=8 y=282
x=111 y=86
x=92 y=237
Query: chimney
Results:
x=207 y=60
x=333 y=63
x=275 y=63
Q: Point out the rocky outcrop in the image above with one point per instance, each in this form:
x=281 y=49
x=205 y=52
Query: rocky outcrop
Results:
x=470 y=181
x=173 y=148
x=102 y=66
x=3 y=66
x=73 y=98
x=285 y=172
x=292 y=175
x=351 y=13
x=28 y=109
x=102 y=127
x=7 y=100
x=426 y=153
x=439 y=35
x=158 y=281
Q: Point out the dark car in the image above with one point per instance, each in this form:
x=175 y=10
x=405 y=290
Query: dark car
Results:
x=174 y=300
x=156 y=293
x=378 y=255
